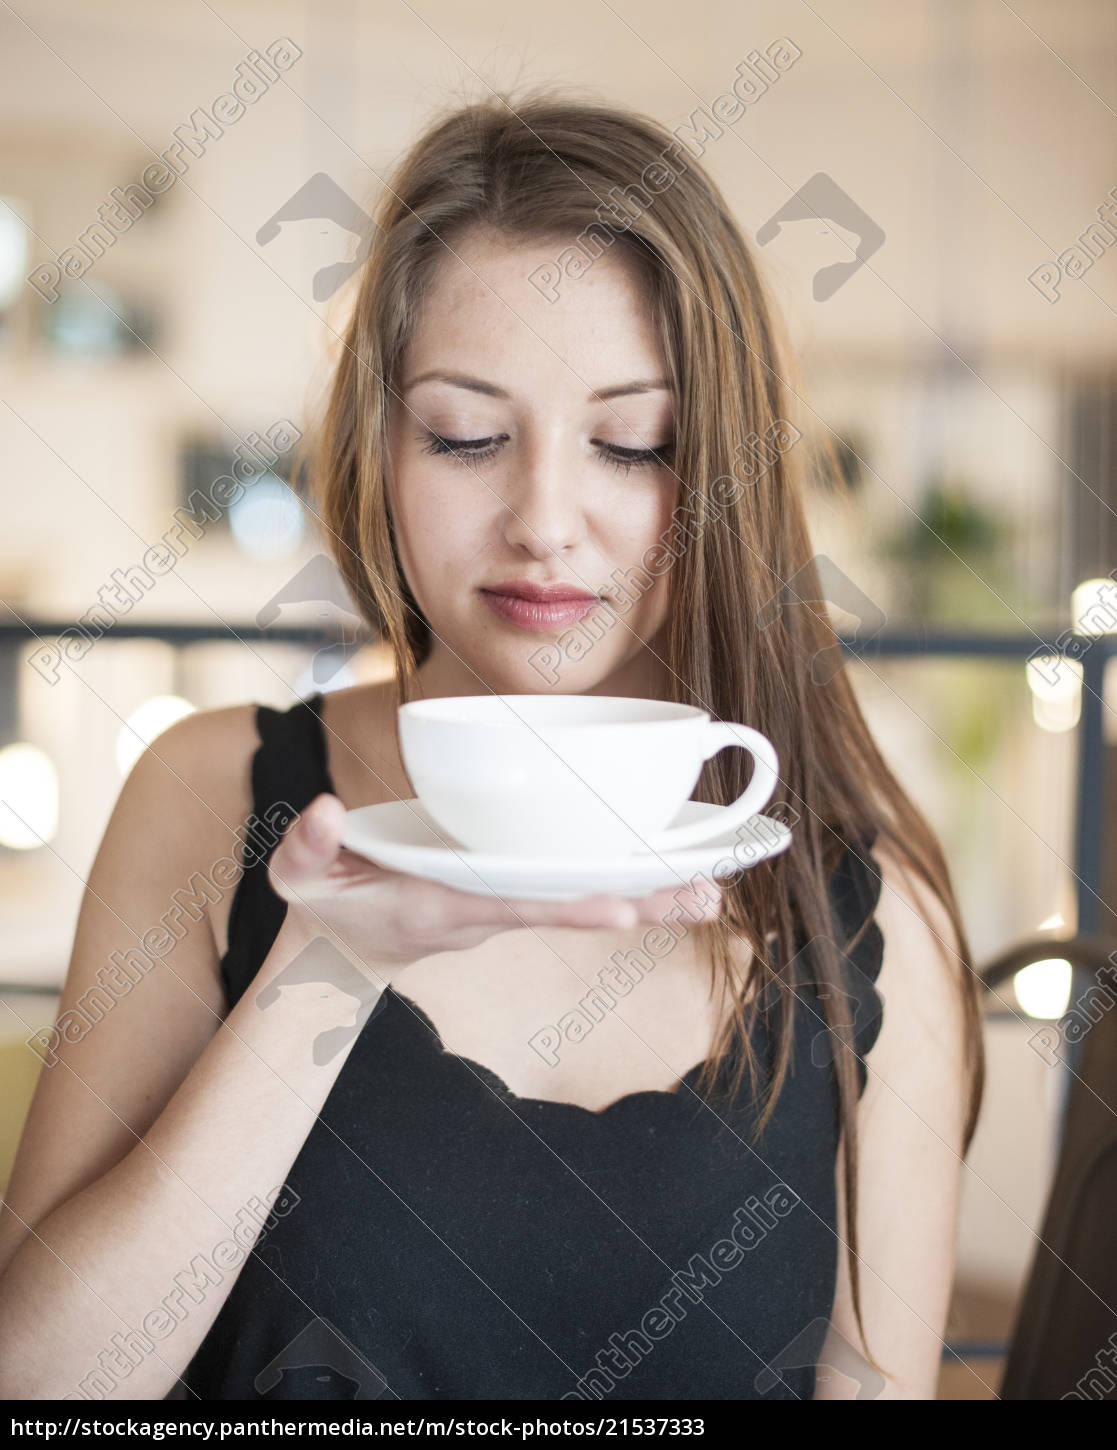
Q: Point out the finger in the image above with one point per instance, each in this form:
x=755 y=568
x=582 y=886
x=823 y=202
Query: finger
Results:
x=704 y=901
x=589 y=912
x=311 y=842
x=600 y=911
x=469 y=909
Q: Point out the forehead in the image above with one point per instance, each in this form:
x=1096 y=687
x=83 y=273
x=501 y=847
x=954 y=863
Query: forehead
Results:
x=481 y=311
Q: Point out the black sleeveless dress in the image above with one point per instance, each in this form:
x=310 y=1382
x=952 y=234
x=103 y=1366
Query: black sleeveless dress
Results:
x=450 y=1240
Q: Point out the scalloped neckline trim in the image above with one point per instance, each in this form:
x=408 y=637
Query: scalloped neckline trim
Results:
x=682 y=1088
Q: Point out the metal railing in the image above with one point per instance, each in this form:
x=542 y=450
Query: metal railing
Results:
x=1093 y=653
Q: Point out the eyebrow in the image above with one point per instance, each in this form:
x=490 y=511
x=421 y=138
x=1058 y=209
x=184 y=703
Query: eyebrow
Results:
x=479 y=385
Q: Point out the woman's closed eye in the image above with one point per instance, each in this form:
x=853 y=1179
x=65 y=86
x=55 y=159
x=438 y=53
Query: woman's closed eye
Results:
x=465 y=450
x=480 y=450
x=628 y=458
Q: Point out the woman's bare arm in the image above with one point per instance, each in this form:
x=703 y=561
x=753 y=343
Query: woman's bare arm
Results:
x=910 y=1123
x=153 y=1135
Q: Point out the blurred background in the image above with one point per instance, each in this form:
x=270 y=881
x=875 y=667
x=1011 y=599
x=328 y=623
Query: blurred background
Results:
x=154 y=319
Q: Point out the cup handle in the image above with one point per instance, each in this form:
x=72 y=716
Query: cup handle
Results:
x=757 y=794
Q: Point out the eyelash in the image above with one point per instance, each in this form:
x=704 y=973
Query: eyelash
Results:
x=481 y=450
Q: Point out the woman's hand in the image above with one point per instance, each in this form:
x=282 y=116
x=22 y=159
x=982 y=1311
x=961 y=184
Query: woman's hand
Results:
x=384 y=920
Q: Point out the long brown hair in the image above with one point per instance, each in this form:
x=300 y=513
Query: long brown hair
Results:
x=542 y=168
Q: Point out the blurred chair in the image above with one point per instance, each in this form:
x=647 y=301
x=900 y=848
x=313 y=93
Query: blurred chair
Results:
x=1064 y=1343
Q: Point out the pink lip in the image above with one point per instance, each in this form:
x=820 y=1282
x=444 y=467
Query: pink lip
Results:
x=544 y=610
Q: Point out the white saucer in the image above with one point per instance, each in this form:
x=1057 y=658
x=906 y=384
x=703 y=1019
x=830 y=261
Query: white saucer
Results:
x=402 y=836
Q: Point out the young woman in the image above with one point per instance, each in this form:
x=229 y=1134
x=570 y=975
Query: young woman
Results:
x=560 y=368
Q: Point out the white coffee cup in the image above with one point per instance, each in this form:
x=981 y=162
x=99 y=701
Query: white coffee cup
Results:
x=572 y=775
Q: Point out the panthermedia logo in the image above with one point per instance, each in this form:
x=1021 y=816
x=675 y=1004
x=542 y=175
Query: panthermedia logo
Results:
x=320 y=199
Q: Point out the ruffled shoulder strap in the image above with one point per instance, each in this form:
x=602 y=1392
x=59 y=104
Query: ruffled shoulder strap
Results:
x=854 y=889
x=288 y=770
x=855 y=892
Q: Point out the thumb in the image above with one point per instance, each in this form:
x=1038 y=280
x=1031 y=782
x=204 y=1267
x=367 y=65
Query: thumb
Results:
x=311 y=842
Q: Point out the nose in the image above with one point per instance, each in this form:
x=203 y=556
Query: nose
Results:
x=543 y=506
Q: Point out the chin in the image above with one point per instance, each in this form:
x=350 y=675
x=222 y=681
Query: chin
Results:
x=519 y=676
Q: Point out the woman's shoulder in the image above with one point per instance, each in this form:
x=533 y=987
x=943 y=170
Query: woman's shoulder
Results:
x=210 y=766
x=202 y=763
x=899 y=957
x=205 y=738
x=923 y=959
x=915 y=922
x=922 y=977
x=201 y=782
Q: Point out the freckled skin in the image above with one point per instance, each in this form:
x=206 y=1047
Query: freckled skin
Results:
x=550 y=503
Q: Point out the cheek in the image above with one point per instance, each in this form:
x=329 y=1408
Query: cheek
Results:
x=658 y=526
x=644 y=521
x=668 y=501
x=436 y=522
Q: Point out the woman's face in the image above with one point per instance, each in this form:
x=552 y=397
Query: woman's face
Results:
x=526 y=443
